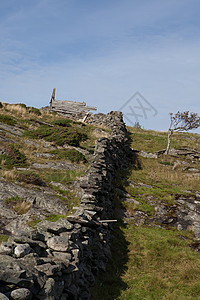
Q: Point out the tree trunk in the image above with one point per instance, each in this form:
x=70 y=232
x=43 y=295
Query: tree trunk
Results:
x=170 y=132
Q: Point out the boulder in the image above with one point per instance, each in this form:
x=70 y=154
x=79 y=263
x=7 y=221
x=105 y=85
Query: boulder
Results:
x=3 y=297
x=58 y=243
x=6 y=248
x=22 y=250
x=21 y=294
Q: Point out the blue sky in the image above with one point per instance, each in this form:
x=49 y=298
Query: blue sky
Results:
x=103 y=52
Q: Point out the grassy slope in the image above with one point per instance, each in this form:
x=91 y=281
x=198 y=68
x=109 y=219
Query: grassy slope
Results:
x=149 y=262
x=20 y=156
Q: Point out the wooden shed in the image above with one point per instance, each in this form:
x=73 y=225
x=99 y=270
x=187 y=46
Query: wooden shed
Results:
x=69 y=108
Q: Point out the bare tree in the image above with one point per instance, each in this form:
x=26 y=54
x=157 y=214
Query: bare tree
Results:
x=184 y=121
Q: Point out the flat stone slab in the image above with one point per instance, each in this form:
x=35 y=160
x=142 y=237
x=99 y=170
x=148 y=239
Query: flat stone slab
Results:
x=61 y=165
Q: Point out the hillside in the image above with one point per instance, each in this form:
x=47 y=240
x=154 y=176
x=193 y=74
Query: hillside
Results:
x=41 y=157
x=156 y=246
x=63 y=181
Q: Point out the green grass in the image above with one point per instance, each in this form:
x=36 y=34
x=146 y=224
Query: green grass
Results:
x=57 y=134
x=54 y=218
x=14 y=199
x=33 y=222
x=51 y=218
x=34 y=110
x=152 y=141
x=69 y=154
x=68 y=197
x=154 y=173
x=62 y=122
x=13 y=157
x=3 y=238
x=150 y=263
x=64 y=177
x=7 y=120
x=160 y=265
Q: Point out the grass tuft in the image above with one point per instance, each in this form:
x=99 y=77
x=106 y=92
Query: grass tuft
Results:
x=69 y=154
x=59 y=135
x=7 y=120
x=18 y=204
x=12 y=157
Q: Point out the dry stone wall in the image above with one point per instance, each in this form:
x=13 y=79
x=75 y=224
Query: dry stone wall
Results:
x=59 y=260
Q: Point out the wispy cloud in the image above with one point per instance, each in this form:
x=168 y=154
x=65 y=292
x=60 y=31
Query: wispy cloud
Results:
x=102 y=53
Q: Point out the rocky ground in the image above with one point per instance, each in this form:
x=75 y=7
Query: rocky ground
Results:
x=178 y=207
x=56 y=197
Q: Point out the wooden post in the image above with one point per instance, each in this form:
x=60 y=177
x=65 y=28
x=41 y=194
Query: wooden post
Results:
x=52 y=98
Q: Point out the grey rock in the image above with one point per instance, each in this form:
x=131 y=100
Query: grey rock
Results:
x=132 y=200
x=6 y=248
x=78 y=219
x=22 y=250
x=12 y=272
x=148 y=155
x=193 y=170
x=59 y=185
x=60 y=256
x=58 y=243
x=57 y=227
x=56 y=166
x=39 y=199
x=32 y=143
x=3 y=297
x=44 y=155
x=12 y=129
x=51 y=290
x=21 y=294
x=48 y=269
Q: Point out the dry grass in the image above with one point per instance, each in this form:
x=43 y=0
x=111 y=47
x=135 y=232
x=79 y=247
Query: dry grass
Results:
x=9 y=174
x=166 y=175
x=22 y=207
x=17 y=109
x=3 y=162
x=154 y=173
x=152 y=141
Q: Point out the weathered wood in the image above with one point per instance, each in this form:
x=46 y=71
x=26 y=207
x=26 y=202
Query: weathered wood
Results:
x=67 y=107
x=52 y=98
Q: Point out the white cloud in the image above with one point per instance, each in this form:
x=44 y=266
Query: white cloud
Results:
x=102 y=56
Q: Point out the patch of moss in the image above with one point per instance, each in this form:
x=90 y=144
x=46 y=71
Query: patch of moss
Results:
x=54 y=218
x=3 y=238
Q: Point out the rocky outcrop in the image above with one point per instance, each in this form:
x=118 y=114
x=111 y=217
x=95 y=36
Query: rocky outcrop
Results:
x=59 y=260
